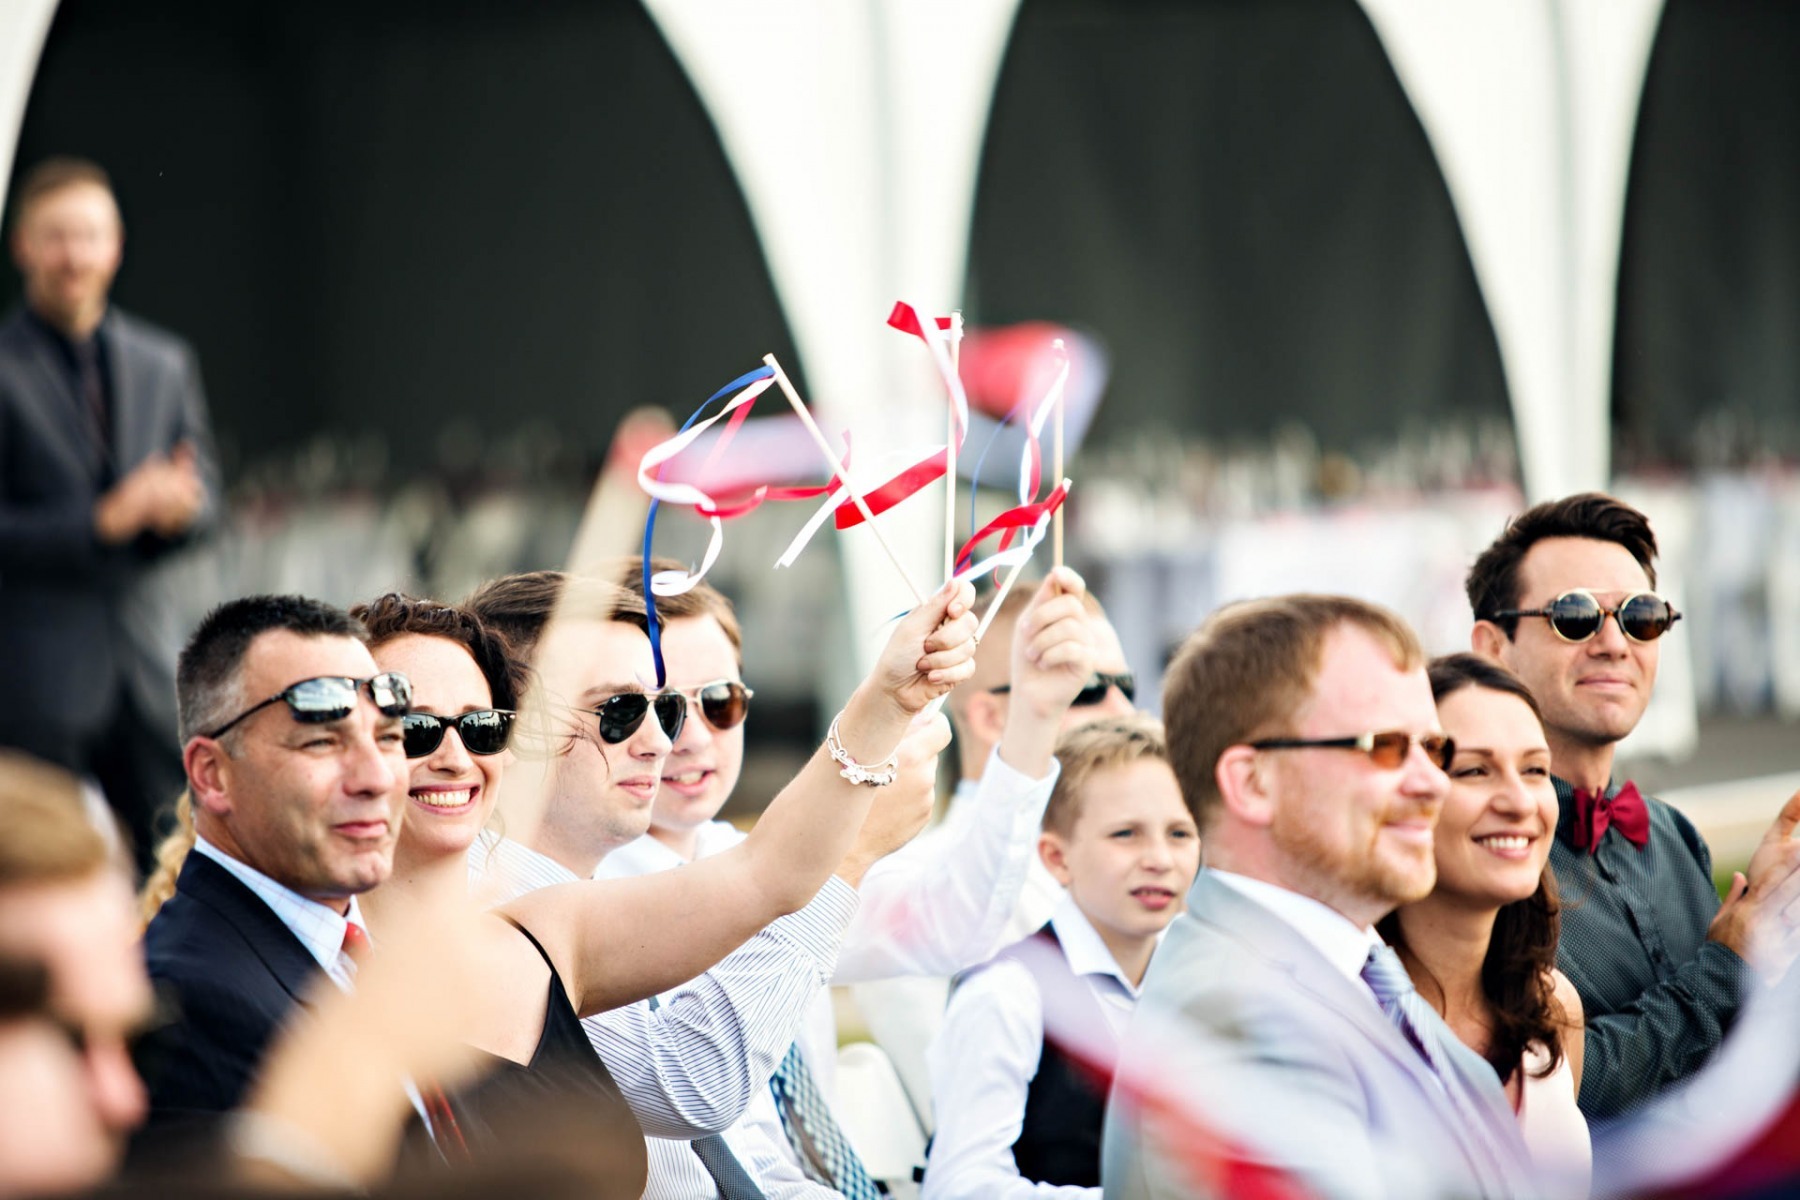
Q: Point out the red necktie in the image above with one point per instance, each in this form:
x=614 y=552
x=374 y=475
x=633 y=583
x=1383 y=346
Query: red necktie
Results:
x=1595 y=812
x=444 y=1129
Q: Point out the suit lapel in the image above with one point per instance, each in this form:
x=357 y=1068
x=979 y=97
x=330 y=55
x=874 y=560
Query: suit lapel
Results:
x=286 y=959
x=1260 y=931
x=127 y=408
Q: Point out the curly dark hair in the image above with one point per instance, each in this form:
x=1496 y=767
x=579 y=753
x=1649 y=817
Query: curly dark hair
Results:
x=1493 y=582
x=1516 y=974
x=396 y=615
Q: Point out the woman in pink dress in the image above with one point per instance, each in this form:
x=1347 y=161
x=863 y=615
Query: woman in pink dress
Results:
x=1481 y=948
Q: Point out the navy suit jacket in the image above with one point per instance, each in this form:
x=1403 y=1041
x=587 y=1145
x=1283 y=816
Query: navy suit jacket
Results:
x=235 y=972
x=74 y=628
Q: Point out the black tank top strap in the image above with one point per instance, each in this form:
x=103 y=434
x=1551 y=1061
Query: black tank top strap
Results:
x=535 y=944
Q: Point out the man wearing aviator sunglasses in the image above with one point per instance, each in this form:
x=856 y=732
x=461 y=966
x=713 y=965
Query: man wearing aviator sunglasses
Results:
x=920 y=914
x=1565 y=597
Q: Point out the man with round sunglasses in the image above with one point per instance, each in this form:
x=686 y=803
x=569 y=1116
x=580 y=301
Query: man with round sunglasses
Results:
x=293 y=746
x=1565 y=597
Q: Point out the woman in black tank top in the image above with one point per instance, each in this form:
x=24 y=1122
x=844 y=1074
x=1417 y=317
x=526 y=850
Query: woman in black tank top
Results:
x=563 y=952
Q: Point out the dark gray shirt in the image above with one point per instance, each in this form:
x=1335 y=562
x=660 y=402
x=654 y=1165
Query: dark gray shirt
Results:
x=1658 y=996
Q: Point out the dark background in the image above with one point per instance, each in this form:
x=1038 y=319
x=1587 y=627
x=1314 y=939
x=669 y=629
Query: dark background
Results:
x=467 y=237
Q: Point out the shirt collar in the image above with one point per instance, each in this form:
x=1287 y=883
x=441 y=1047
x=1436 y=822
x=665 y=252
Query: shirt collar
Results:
x=318 y=927
x=1083 y=946
x=1345 y=946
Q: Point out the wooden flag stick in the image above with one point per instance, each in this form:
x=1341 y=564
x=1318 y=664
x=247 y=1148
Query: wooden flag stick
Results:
x=837 y=468
x=1056 y=471
x=993 y=609
x=956 y=333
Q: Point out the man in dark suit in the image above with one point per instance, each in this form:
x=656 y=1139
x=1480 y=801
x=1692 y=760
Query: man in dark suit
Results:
x=105 y=464
x=293 y=753
x=1565 y=598
x=1275 y=1032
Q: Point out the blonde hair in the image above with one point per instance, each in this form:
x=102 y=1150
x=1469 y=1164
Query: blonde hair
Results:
x=1248 y=670
x=1089 y=749
x=171 y=854
x=49 y=837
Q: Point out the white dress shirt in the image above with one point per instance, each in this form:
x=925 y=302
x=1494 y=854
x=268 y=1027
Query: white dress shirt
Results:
x=928 y=909
x=993 y=821
x=689 y=1067
x=317 y=927
x=1344 y=945
x=987 y=1054
x=756 y=1139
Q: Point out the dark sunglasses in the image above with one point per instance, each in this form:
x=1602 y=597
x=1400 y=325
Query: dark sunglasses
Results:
x=723 y=702
x=621 y=715
x=1576 y=616
x=1386 y=750
x=1094 y=690
x=483 y=731
x=332 y=698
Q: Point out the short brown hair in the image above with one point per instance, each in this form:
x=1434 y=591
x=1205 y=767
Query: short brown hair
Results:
x=55 y=174
x=396 y=615
x=1493 y=582
x=701 y=600
x=1087 y=750
x=49 y=836
x=520 y=606
x=1248 y=669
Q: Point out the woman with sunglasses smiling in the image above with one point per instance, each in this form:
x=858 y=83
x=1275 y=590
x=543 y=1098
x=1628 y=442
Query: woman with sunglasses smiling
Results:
x=582 y=943
x=1481 y=948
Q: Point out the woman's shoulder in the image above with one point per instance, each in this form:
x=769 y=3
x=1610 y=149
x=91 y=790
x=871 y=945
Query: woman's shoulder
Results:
x=1566 y=998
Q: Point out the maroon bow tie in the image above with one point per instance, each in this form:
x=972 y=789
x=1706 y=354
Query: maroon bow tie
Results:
x=1595 y=811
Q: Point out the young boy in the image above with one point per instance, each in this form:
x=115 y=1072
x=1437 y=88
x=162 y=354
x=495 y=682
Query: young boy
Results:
x=1017 y=1113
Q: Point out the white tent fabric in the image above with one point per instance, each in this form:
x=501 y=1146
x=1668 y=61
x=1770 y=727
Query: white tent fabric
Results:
x=23 y=26
x=1531 y=111
x=855 y=131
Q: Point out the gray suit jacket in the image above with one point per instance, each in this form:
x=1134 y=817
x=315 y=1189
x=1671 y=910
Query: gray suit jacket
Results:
x=70 y=633
x=1298 y=1068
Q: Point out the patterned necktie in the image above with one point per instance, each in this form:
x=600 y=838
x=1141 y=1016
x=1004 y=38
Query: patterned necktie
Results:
x=1393 y=988
x=1394 y=991
x=445 y=1131
x=825 y=1153
x=728 y=1174
x=1596 y=812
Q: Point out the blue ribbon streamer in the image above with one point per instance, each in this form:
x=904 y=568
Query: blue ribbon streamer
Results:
x=653 y=623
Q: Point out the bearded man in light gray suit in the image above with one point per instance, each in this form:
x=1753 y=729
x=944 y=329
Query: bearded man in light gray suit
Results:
x=1271 y=1035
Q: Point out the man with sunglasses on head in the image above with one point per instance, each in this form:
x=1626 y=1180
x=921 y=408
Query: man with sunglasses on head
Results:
x=1565 y=597
x=293 y=748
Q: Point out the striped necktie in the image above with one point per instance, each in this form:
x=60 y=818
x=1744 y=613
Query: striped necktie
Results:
x=1393 y=988
x=825 y=1153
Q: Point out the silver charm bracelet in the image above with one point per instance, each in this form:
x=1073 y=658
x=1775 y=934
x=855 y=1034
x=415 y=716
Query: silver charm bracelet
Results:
x=875 y=774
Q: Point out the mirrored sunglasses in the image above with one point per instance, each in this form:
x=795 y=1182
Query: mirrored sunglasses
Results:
x=483 y=731
x=327 y=698
x=1577 y=615
x=621 y=714
x=723 y=702
x=1387 y=750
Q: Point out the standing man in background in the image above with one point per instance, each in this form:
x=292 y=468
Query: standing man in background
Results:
x=105 y=465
